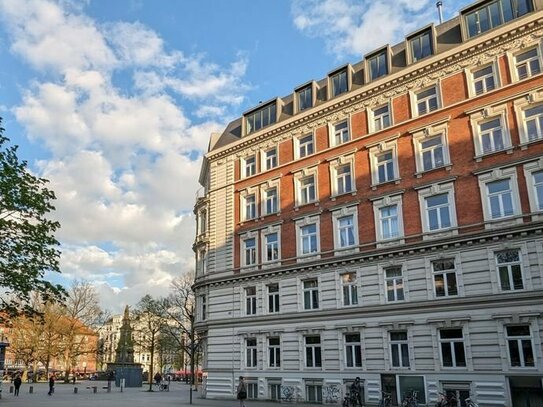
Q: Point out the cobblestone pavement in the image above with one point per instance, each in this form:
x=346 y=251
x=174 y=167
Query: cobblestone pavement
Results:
x=133 y=397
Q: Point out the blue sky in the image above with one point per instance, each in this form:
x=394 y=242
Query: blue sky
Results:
x=114 y=102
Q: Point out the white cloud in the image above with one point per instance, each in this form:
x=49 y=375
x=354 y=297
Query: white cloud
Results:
x=356 y=27
x=124 y=160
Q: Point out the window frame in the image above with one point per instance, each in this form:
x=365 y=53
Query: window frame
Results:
x=445 y=274
x=378 y=149
x=334 y=165
x=400 y=344
x=375 y=55
x=351 y=287
x=299 y=177
x=486 y=178
x=487 y=115
x=529 y=101
x=312 y=293
x=470 y=75
x=306 y=146
x=419 y=136
x=251 y=300
x=248 y=169
x=451 y=342
x=344 y=133
x=510 y=276
x=275 y=350
x=413 y=95
x=341 y=213
x=252 y=235
x=402 y=277
x=372 y=117
x=430 y=30
x=251 y=353
x=313 y=87
x=316 y=348
x=270 y=230
x=536 y=206
x=383 y=202
x=356 y=347
x=274 y=298
x=434 y=190
x=347 y=69
x=514 y=64
x=264 y=159
x=264 y=188
x=519 y=339
x=301 y=223
x=273 y=107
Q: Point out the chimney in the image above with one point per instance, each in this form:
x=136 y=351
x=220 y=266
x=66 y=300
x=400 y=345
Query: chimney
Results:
x=439 y=6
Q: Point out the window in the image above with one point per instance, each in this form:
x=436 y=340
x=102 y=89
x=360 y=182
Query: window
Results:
x=491 y=136
x=431 y=147
x=445 y=282
x=340 y=132
x=305 y=146
x=399 y=349
x=271 y=202
x=421 y=46
x=275 y=391
x=274 y=352
x=426 y=101
x=261 y=118
x=500 y=198
x=438 y=212
x=451 y=343
x=344 y=182
x=251 y=352
x=533 y=123
x=494 y=14
x=345 y=227
x=388 y=222
x=305 y=98
x=484 y=79
x=509 y=270
x=308 y=237
x=307 y=190
x=249 y=251
x=202 y=222
x=202 y=261
x=394 y=284
x=432 y=153
x=527 y=64
x=204 y=307
x=349 y=289
x=250 y=207
x=271 y=247
x=311 y=294
x=250 y=300
x=537 y=179
x=353 y=350
x=381 y=118
x=519 y=345
x=252 y=391
x=346 y=231
x=378 y=65
x=313 y=393
x=313 y=351
x=270 y=158
x=385 y=167
x=339 y=82
x=273 y=298
x=249 y=166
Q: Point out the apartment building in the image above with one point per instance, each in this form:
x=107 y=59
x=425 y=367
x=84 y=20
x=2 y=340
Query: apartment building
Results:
x=384 y=222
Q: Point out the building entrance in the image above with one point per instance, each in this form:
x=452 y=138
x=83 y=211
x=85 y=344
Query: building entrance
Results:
x=526 y=391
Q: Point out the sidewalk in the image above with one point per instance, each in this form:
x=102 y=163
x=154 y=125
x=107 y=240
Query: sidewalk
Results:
x=132 y=397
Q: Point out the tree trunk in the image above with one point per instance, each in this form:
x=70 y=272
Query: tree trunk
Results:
x=151 y=370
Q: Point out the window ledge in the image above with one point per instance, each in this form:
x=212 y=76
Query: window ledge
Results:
x=503 y=222
x=335 y=196
x=479 y=157
x=525 y=144
x=346 y=251
x=395 y=181
x=447 y=167
x=297 y=207
x=391 y=242
x=270 y=214
x=308 y=257
x=438 y=234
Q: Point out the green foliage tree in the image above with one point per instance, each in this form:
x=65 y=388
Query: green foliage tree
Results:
x=28 y=247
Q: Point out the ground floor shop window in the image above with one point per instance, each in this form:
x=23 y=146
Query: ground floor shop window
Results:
x=313 y=392
x=252 y=390
x=459 y=391
x=409 y=384
x=275 y=391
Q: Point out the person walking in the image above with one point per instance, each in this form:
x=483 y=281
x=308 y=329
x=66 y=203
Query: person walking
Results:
x=51 y=384
x=17 y=383
x=242 y=391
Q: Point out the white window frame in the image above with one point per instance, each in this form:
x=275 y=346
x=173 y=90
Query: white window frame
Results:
x=264 y=159
x=536 y=207
x=394 y=279
x=300 y=223
x=400 y=344
x=310 y=291
x=243 y=195
x=445 y=274
x=263 y=234
x=336 y=216
x=344 y=134
x=243 y=238
x=352 y=288
x=251 y=353
x=440 y=129
x=376 y=150
x=519 y=339
x=274 y=349
x=486 y=115
x=275 y=297
x=335 y=164
x=372 y=117
x=513 y=61
x=299 y=176
x=414 y=103
x=510 y=278
x=452 y=341
x=297 y=145
x=313 y=346
x=383 y=202
x=351 y=348
x=432 y=190
x=470 y=75
x=245 y=166
x=498 y=175
x=201 y=263
x=528 y=101
x=264 y=188
x=250 y=300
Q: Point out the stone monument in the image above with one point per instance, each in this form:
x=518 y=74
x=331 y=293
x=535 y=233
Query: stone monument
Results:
x=124 y=366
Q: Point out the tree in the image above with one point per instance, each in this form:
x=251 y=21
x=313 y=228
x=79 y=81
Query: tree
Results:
x=150 y=322
x=28 y=247
x=180 y=308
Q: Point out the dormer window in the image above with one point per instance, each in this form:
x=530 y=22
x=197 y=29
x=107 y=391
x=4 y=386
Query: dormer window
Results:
x=261 y=118
x=493 y=14
x=420 y=45
x=378 y=65
x=339 y=82
x=304 y=97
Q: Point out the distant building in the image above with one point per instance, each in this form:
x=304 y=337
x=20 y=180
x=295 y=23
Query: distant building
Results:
x=384 y=222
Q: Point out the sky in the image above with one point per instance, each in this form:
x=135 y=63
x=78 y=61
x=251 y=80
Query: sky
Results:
x=114 y=101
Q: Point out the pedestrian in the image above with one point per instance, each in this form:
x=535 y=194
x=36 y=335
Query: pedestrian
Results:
x=242 y=391
x=51 y=384
x=356 y=391
x=17 y=383
x=158 y=379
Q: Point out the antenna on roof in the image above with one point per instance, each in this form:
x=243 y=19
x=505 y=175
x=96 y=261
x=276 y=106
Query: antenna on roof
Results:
x=439 y=6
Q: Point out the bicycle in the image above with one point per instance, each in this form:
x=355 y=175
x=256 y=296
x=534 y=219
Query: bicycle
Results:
x=410 y=399
x=446 y=400
x=470 y=403
x=386 y=399
x=351 y=399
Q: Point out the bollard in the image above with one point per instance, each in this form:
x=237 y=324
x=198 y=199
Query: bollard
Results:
x=94 y=389
x=10 y=389
x=109 y=387
x=75 y=390
x=31 y=389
